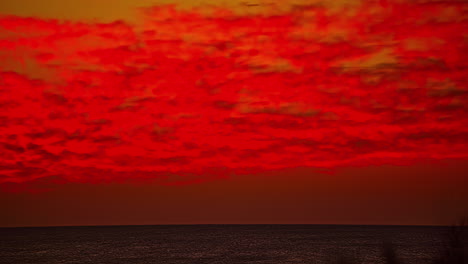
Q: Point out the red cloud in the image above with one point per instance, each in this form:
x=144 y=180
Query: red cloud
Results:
x=200 y=97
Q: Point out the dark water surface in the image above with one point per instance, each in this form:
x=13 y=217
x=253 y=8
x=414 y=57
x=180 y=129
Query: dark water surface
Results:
x=216 y=244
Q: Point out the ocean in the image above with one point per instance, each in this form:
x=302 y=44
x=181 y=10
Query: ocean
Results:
x=219 y=244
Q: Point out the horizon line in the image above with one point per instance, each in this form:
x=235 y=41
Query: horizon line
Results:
x=232 y=224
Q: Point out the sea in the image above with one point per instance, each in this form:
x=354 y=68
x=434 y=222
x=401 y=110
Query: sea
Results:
x=221 y=244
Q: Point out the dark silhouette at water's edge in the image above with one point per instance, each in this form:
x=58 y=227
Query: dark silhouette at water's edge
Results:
x=455 y=250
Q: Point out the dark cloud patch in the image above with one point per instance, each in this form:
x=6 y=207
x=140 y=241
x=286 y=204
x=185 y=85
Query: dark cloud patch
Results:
x=55 y=98
x=224 y=104
x=444 y=88
x=13 y=147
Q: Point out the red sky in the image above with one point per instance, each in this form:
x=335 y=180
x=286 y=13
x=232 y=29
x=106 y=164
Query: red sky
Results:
x=304 y=111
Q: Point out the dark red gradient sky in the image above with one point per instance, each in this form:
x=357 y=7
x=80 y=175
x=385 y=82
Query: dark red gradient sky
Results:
x=295 y=112
x=417 y=195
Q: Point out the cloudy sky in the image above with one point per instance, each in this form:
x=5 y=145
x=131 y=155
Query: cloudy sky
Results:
x=307 y=111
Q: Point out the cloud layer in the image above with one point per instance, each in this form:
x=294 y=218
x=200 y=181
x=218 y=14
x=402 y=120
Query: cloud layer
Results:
x=189 y=95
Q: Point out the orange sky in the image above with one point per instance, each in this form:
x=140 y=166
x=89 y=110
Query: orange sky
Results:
x=201 y=112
